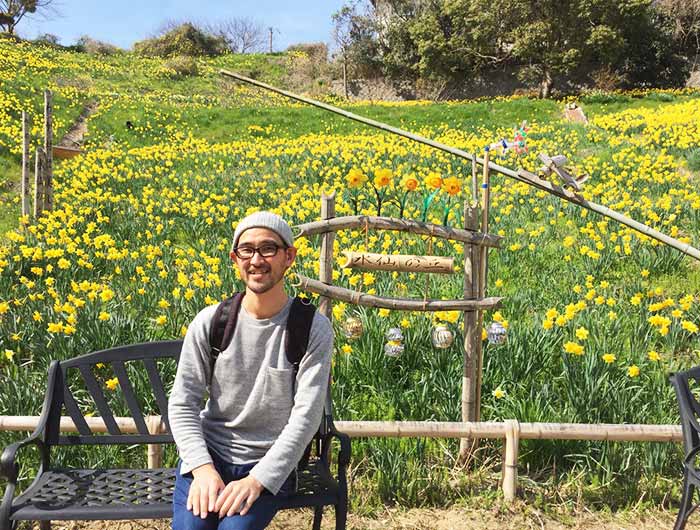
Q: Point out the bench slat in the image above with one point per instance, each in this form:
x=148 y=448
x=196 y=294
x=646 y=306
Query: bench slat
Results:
x=108 y=439
x=130 y=396
x=100 y=401
x=158 y=389
x=74 y=411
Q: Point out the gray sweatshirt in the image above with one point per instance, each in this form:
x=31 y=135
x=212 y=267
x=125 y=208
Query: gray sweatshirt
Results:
x=252 y=414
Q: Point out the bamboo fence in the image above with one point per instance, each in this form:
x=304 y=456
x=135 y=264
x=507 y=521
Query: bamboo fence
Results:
x=512 y=431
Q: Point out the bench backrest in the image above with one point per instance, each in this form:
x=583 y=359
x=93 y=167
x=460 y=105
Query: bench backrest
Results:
x=687 y=385
x=128 y=381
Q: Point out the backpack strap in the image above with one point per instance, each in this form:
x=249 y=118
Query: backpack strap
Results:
x=301 y=317
x=223 y=325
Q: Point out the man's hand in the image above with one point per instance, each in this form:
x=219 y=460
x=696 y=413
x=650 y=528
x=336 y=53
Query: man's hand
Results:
x=238 y=496
x=204 y=489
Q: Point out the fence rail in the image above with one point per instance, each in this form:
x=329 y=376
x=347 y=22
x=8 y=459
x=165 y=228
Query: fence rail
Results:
x=509 y=430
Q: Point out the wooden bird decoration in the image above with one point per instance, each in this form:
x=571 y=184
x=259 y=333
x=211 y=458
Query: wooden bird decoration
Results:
x=556 y=165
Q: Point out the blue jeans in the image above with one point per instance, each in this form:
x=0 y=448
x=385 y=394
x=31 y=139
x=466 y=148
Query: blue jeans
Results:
x=257 y=518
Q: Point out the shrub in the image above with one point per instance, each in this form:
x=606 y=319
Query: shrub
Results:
x=181 y=66
x=606 y=79
x=317 y=52
x=95 y=47
x=185 y=39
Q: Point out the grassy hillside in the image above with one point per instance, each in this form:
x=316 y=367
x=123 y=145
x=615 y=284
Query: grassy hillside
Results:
x=597 y=315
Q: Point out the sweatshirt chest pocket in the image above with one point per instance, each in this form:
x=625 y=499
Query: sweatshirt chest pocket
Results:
x=278 y=390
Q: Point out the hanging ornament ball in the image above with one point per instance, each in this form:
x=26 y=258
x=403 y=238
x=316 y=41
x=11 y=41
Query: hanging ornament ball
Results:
x=442 y=336
x=353 y=328
x=497 y=333
x=394 y=334
x=393 y=348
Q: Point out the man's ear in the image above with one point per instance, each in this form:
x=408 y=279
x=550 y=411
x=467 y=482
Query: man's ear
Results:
x=291 y=255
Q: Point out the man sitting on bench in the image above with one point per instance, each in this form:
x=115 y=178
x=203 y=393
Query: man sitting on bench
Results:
x=263 y=409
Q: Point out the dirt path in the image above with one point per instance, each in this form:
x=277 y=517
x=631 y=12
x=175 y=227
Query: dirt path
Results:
x=443 y=519
x=74 y=136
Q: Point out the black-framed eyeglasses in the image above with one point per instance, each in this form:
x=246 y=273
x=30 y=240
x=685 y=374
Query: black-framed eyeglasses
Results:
x=266 y=251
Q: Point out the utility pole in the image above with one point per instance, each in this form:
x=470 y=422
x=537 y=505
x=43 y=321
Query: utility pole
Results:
x=271 y=30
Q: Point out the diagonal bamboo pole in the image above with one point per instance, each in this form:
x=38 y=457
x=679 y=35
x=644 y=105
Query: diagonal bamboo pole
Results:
x=520 y=175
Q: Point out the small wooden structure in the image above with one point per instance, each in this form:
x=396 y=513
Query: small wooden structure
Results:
x=473 y=301
x=63 y=152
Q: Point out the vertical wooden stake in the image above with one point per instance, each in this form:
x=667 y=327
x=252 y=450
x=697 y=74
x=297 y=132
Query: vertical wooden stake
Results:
x=472 y=335
x=475 y=180
x=510 y=463
x=325 y=270
x=483 y=269
x=48 y=150
x=325 y=273
x=26 y=162
x=38 y=182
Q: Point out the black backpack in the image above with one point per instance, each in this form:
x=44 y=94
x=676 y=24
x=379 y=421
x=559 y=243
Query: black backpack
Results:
x=301 y=316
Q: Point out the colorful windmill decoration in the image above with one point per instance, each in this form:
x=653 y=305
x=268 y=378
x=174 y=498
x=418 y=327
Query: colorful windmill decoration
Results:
x=517 y=144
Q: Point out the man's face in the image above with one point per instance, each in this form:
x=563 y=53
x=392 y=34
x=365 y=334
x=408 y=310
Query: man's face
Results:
x=260 y=274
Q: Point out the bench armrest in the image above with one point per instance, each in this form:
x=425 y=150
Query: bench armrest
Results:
x=9 y=468
x=344 y=439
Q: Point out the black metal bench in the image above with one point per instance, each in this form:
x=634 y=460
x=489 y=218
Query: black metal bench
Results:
x=690 y=414
x=60 y=493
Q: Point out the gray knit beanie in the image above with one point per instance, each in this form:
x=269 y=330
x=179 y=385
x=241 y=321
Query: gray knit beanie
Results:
x=268 y=220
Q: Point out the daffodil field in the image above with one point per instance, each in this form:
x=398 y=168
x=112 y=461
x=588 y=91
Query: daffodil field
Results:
x=597 y=315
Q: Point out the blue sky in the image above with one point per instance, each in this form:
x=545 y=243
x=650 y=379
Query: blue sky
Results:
x=126 y=21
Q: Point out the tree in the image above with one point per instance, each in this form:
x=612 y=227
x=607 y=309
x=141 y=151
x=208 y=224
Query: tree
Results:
x=447 y=41
x=241 y=34
x=13 y=11
x=355 y=35
x=685 y=16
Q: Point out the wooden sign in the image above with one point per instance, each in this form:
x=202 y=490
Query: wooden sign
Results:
x=398 y=262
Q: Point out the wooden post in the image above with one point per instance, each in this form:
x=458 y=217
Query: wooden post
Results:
x=475 y=180
x=510 y=462
x=325 y=275
x=39 y=182
x=472 y=335
x=48 y=151
x=26 y=164
x=483 y=271
x=155 y=451
x=325 y=270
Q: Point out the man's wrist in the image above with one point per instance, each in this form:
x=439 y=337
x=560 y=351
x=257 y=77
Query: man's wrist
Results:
x=204 y=468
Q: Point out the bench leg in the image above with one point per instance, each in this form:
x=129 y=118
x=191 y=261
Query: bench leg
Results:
x=318 y=515
x=686 y=503
x=44 y=525
x=341 y=514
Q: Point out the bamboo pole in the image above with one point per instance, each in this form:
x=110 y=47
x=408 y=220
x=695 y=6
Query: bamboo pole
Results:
x=510 y=461
x=359 y=298
x=154 y=451
x=520 y=175
x=38 y=182
x=472 y=335
x=48 y=151
x=611 y=432
x=26 y=163
x=399 y=225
